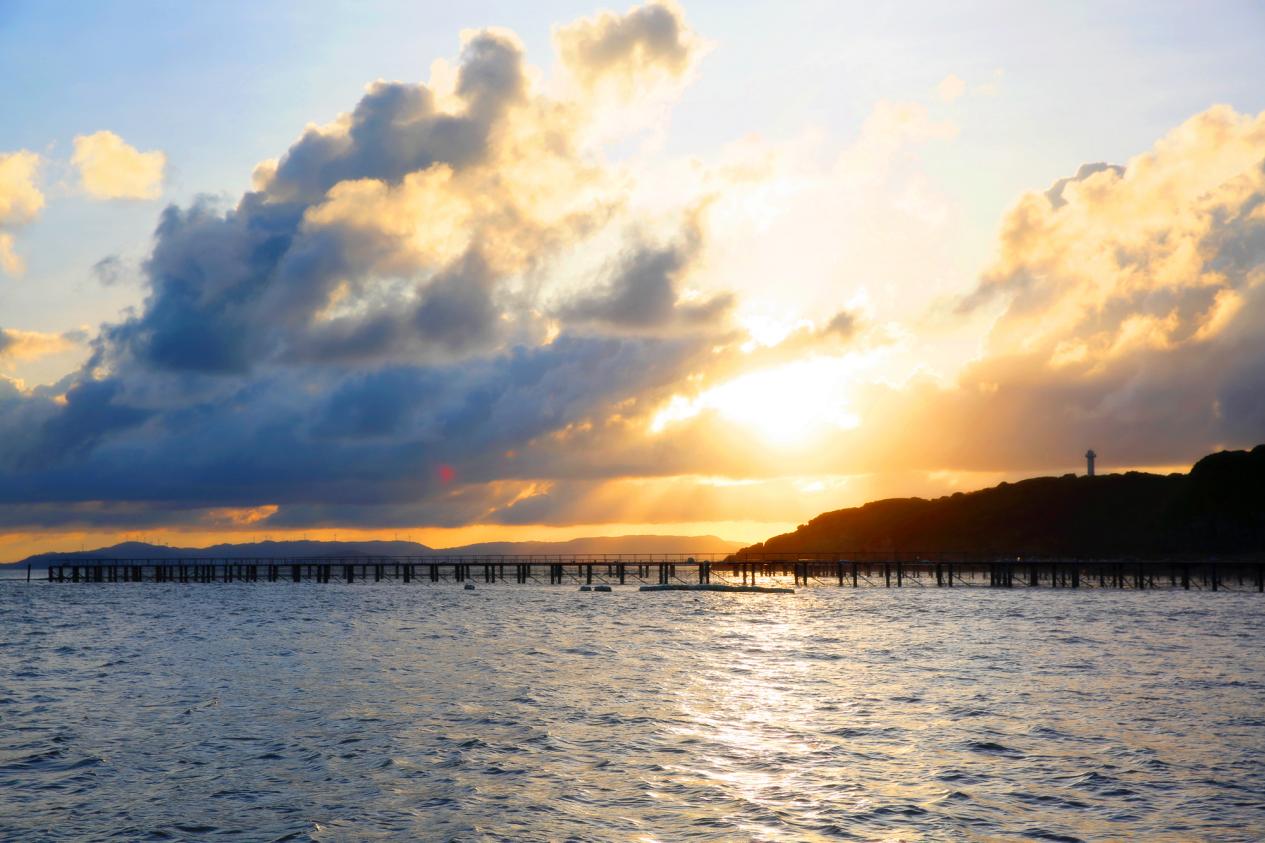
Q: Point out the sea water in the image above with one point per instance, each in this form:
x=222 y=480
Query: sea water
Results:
x=391 y=712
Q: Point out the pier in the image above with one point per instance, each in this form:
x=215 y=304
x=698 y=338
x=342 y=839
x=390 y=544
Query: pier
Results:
x=842 y=569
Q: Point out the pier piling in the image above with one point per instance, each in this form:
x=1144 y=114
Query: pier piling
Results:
x=857 y=569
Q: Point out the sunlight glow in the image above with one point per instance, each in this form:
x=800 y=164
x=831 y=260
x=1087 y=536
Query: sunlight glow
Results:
x=785 y=405
x=767 y=330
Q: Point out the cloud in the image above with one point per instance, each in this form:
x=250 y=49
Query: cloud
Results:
x=1130 y=299
x=644 y=290
x=110 y=270
x=20 y=202
x=380 y=304
x=399 y=128
x=1055 y=193
x=649 y=44
x=447 y=306
x=327 y=442
x=1118 y=257
x=951 y=87
x=16 y=345
x=111 y=169
x=842 y=324
x=1124 y=305
x=394 y=233
x=453 y=313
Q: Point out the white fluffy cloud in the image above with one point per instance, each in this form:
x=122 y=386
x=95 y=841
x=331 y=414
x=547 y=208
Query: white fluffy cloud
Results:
x=20 y=202
x=109 y=168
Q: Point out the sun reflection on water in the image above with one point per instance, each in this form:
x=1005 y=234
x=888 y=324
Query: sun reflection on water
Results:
x=514 y=712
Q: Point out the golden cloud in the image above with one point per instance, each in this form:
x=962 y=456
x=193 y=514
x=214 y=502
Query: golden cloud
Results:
x=16 y=345
x=109 y=168
x=1119 y=258
x=646 y=46
x=20 y=202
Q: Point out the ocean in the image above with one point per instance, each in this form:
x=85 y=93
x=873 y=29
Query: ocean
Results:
x=257 y=711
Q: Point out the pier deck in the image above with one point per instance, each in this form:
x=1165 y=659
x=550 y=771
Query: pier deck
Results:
x=851 y=570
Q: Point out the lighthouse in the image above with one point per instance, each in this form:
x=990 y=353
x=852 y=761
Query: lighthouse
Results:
x=1090 y=456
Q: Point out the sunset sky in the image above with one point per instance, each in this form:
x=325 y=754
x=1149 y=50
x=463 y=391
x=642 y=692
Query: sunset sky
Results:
x=476 y=271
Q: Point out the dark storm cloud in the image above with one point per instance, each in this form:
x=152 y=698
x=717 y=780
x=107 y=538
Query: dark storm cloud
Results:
x=230 y=290
x=207 y=274
x=334 y=441
x=325 y=348
x=454 y=312
x=91 y=413
x=396 y=130
x=365 y=317
x=643 y=292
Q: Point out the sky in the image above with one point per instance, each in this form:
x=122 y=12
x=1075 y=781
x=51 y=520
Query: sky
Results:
x=464 y=272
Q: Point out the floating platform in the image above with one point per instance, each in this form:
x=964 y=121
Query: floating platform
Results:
x=750 y=589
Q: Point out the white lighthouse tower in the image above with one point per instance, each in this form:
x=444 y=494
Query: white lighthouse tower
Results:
x=1090 y=456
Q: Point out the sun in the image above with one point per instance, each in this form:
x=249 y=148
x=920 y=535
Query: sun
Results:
x=787 y=405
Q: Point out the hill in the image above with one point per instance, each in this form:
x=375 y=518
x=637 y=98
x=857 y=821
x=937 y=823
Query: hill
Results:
x=597 y=544
x=1219 y=507
x=609 y=544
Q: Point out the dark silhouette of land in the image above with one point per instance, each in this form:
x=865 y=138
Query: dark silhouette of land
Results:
x=1218 y=508
x=276 y=549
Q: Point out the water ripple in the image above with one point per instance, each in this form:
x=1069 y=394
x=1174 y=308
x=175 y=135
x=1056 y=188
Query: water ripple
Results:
x=320 y=713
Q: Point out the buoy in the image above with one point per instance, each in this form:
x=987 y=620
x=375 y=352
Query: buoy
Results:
x=469 y=586
x=601 y=588
x=586 y=588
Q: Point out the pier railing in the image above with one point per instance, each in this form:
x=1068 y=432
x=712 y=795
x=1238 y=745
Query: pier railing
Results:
x=854 y=569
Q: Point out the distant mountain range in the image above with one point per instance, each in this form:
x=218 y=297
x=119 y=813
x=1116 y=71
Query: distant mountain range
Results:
x=1218 y=508
x=598 y=544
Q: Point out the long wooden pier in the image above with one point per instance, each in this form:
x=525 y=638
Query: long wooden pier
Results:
x=842 y=569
